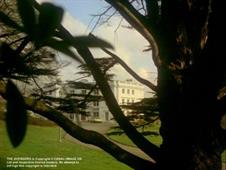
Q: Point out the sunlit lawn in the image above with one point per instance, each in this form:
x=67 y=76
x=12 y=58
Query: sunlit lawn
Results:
x=156 y=139
x=123 y=139
x=44 y=142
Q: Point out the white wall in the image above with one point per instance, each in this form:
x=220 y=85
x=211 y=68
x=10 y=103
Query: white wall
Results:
x=133 y=92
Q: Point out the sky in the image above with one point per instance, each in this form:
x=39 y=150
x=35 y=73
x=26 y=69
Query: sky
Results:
x=128 y=43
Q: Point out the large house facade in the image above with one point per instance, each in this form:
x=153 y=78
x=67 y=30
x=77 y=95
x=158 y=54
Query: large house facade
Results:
x=125 y=92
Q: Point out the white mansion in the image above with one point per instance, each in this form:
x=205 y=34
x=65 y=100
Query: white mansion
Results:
x=126 y=92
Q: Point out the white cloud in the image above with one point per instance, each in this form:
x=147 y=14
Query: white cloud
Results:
x=147 y=74
x=144 y=73
x=73 y=25
x=128 y=45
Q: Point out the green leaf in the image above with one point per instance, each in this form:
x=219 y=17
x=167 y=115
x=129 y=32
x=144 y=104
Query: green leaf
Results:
x=16 y=115
x=50 y=18
x=9 y=22
x=89 y=41
x=27 y=15
x=63 y=47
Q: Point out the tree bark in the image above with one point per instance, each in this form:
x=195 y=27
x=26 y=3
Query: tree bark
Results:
x=190 y=76
x=190 y=118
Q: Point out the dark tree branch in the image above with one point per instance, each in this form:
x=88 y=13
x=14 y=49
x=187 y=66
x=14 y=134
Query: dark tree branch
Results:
x=23 y=44
x=130 y=71
x=148 y=123
x=139 y=22
x=87 y=96
x=86 y=136
x=36 y=83
x=7 y=34
x=145 y=145
x=95 y=86
x=133 y=134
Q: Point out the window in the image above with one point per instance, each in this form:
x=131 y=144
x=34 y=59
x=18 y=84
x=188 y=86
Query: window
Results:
x=123 y=91
x=72 y=91
x=128 y=91
x=132 y=101
x=123 y=101
x=71 y=116
x=127 y=101
x=106 y=115
x=83 y=91
x=132 y=91
x=83 y=117
x=95 y=103
x=96 y=114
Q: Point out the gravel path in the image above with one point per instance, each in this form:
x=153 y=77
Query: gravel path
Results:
x=103 y=128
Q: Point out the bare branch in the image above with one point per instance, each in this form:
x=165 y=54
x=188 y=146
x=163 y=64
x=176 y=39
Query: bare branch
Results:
x=152 y=150
x=87 y=96
x=80 y=78
x=133 y=134
x=143 y=7
x=120 y=22
x=7 y=34
x=139 y=22
x=130 y=71
x=95 y=86
x=86 y=136
x=23 y=44
x=36 y=83
x=17 y=40
x=101 y=15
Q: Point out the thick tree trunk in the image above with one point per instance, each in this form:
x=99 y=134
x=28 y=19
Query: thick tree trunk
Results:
x=189 y=124
x=188 y=104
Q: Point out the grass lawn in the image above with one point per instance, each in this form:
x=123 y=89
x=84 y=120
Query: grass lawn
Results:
x=156 y=139
x=44 y=142
x=123 y=139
